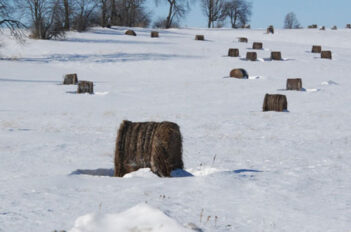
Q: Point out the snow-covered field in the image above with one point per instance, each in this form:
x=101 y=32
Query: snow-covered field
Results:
x=252 y=171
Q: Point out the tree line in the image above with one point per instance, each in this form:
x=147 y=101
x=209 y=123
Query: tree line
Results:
x=48 y=19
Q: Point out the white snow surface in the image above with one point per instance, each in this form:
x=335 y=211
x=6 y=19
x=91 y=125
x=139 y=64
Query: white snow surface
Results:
x=245 y=170
x=141 y=218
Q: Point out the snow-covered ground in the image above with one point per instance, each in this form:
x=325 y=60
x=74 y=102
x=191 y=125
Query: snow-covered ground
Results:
x=247 y=170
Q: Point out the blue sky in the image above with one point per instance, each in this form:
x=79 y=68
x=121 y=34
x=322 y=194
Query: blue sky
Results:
x=266 y=12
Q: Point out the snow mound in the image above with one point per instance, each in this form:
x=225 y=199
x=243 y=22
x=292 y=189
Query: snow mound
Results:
x=140 y=218
x=329 y=83
x=205 y=171
x=142 y=172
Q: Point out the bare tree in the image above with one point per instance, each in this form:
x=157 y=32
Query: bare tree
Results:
x=214 y=10
x=7 y=21
x=177 y=10
x=104 y=16
x=45 y=17
x=291 y=22
x=131 y=13
x=239 y=12
x=67 y=12
x=84 y=14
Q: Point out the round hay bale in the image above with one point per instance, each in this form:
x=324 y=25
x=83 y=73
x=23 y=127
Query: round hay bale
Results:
x=334 y=28
x=130 y=32
x=326 y=54
x=243 y=40
x=233 y=52
x=199 y=37
x=85 y=87
x=251 y=56
x=270 y=29
x=322 y=28
x=239 y=73
x=348 y=26
x=257 y=45
x=154 y=34
x=294 y=84
x=276 y=56
x=316 y=49
x=70 y=79
x=153 y=145
x=275 y=102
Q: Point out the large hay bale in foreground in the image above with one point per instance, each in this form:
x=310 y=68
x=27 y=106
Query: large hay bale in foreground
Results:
x=233 y=52
x=257 y=45
x=275 y=102
x=270 y=29
x=130 y=32
x=326 y=54
x=154 y=34
x=276 y=56
x=239 y=73
x=153 y=145
x=85 y=87
x=251 y=56
x=243 y=40
x=70 y=79
x=316 y=49
x=294 y=84
x=199 y=37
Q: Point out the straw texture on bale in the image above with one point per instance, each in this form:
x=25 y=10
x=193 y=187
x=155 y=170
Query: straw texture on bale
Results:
x=294 y=84
x=70 y=79
x=348 y=26
x=316 y=49
x=251 y=56
x=276 y=56
x=199 y=37
x=233 y=52
x=131 y=32
x=85 y=87
x=154 y=34
x=275 y=102
x=270 y=29
x=153 y=145
x=243 y=40
x=326 y=54
x=239 y=73
x=257 y=45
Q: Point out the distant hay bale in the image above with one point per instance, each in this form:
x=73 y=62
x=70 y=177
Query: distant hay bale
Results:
x=270 y=29
x=326 y=54
x=70 y=79
x=85 y=87
x=251 y=56
x=316 y=49
x=199 y=37
x=130 y=32
x=154 y=145
x=275 y=102
x=233 y=52
x=294 y=84
x=257 y=45
x=243 y=40
x=313 y=26
x=334 y=28
x=276 y=56
x=348 y=26
x=239 y=73
x=322 y=28
x=154 y=34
